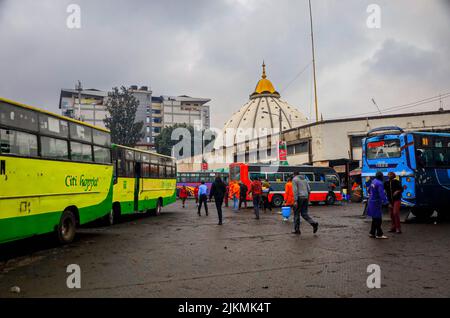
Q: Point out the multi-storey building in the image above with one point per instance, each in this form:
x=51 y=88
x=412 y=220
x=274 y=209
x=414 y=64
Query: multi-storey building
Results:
x=155 y=112
x=85 y=105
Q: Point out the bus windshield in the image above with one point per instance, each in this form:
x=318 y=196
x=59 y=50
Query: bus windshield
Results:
x=384 y=149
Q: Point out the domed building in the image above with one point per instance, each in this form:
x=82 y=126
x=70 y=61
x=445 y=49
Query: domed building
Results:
x=263 y=111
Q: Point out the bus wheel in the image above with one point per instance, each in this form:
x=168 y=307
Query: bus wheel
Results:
x=277 y=200
x=158 y=209
x=422 y=214
x=113 y=216
x=331 y=199
x=67 y=227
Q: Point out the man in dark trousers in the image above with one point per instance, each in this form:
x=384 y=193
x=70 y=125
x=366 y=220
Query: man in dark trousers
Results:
x=394 y=191
x=203 y=197
x=218 y=191
x=256 y=191
x=301 y=191
x=377 y=198
x=243 y=195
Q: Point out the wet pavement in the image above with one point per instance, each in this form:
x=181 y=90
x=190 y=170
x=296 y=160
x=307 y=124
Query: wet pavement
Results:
x=179 y=254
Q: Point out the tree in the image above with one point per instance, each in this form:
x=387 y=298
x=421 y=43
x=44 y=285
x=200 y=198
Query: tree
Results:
x=121 y=108
x=164 y=142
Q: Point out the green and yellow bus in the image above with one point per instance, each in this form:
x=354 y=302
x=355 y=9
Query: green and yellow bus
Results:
x=55 y=173
x=143 y=182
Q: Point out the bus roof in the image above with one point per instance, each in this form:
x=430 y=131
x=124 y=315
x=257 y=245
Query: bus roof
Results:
x=51 y=114
x=144 y=151
x=430 y=133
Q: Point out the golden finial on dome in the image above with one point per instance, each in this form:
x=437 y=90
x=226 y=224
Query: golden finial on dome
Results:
x=264 y=70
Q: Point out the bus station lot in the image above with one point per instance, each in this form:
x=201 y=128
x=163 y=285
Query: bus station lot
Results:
x=179 y=254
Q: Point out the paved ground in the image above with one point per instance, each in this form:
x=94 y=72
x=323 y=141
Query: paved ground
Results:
x=179 y=254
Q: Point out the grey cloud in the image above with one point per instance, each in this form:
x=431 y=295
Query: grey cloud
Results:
x=215 y=48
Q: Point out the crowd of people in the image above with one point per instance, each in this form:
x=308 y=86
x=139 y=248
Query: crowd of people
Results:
x=381 y=194
x=297 y=192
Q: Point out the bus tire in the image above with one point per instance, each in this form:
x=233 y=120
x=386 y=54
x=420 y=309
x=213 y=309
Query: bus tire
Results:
x=67 y=227
x=158 y=209
x=277 y=200
x=422 y=214
x=330 y=199
x=114 y=215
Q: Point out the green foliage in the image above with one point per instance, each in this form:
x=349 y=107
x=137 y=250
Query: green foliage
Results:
x=121 y=107
x=164 y=142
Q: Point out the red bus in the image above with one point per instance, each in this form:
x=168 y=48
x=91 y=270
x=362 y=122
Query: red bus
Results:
x=324 y=181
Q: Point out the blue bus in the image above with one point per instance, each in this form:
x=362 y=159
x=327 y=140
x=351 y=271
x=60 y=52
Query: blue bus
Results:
x=421 y=161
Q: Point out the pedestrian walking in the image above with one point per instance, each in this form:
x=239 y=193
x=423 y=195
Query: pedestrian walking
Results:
x=301 y=191
x=256 y=192
x=227 y=194
x=377 y=198
x=202 y=198
x=218 y=191
x=196 y=195
x=243 y=195
x=265 y=195
x=183 y=195
x=234 y=194
x=289 y=195
x=394 y=190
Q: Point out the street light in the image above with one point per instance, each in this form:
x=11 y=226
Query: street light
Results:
x=79 y=88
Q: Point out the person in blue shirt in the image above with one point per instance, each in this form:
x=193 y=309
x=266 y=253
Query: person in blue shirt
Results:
x=202 y=197
x=377 y=198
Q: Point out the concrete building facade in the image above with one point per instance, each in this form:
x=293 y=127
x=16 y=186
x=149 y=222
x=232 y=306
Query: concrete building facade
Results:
x=155 y=112
x=85 y=105
x=335 y=143
x=185 y=109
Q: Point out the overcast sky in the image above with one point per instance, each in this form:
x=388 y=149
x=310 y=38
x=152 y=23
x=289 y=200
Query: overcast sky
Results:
x=215 y=48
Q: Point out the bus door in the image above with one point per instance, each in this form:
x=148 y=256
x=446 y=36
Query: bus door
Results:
x=137 y=176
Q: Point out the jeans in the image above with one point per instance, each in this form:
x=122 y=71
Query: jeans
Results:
x=235 y=203
x=302 y=209
x=376 y=227
x=395 y=215
x=219 y=202
x=256 y=202
x=203 y=200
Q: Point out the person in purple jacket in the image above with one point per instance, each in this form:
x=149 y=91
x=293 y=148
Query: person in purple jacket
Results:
x=377 y=198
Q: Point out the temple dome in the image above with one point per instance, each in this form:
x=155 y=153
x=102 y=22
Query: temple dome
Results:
x=261 y=113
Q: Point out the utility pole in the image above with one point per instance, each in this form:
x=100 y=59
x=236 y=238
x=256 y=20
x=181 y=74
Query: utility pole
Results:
x=314 y=63
x=79 y=88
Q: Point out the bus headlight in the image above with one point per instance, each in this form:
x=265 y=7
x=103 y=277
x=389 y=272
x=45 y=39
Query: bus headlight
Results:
x=408 y=194
x=408 y=179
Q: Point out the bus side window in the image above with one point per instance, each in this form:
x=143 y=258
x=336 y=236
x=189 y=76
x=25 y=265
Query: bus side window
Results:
x=145 y=170
x=319 y=177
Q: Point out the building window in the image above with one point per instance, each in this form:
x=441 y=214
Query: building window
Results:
x=147 y=120
x=148 y=140
x=148 y=129
x=356 y=141
x=156 y=129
